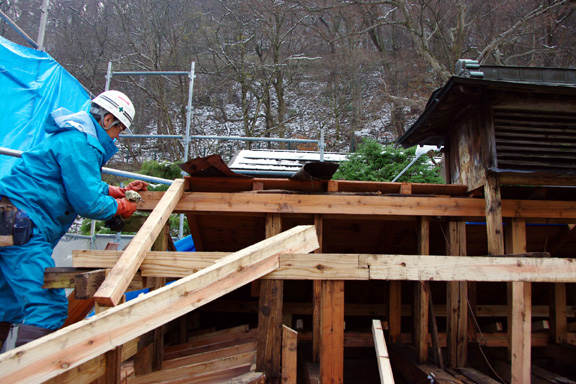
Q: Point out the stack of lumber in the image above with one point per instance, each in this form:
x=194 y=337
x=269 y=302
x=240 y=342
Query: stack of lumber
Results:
x=213 y=357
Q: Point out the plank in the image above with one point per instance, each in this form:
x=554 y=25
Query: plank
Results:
x=206 y=337
x=155 y=263
x=210 y=355
x=192 y=371
x=247 y=378
x=463 y=268
x=67 y=348
x=212 y=344
x=320 y=267
x=116 y=283
x=324 y=204
x=535 y=267
x=83 y=374
x=289 y=355
x=384 y=367
x=337 y=204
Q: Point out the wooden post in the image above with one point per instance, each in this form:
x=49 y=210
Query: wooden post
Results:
x=316 y=287
x=289 y=355
x=494 y=226
x=520 y=306
x=558 y=313
x=457 y=301
x=421 y=296
x=332 y=332
x=394 y=310
x=113 y=361
x=269 y=358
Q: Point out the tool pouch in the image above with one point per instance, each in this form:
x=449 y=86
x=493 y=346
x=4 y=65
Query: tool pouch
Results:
x=15 y=225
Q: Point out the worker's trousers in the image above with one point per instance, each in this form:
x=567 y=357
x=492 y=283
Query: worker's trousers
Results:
x=22 y=298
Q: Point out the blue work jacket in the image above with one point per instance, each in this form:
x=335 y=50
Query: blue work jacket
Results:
x=60 y=178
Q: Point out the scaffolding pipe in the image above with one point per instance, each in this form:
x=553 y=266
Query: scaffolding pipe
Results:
x=20 y=31
x=162 y=73
x=191 y=75
x=208 y=137
x=108 y=171
x=43 y=22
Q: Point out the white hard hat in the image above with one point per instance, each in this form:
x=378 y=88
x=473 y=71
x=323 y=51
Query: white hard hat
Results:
x=118 y=104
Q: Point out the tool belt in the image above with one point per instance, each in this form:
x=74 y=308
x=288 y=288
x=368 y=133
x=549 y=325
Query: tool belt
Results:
x=15 y=225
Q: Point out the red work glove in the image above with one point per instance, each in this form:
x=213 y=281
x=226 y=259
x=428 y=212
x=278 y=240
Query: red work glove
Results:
x=116 y=192
x=126 y=208
x=137 y=185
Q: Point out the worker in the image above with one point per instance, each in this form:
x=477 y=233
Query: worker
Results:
x=54 y=182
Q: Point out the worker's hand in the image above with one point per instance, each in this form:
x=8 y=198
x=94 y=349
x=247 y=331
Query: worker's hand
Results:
x=126 y=208
x=116 y=192
x=137 y=185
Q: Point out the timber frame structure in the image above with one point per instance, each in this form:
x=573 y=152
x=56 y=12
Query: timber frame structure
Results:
x=382 y=251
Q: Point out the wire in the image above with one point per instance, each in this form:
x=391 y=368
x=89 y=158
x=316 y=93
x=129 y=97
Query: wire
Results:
x=484 y=340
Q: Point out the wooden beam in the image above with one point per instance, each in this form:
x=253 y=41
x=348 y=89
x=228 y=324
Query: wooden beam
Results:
x=332 y=332
x=77 y=309
x=67 y=348
x=460 y=268
x=289 y=355
x=346 y=204
x=532 y=267
x=384 y=367
x=117 y=281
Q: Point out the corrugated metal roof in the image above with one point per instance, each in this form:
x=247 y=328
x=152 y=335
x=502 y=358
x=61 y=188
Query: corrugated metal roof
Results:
x=277 y=161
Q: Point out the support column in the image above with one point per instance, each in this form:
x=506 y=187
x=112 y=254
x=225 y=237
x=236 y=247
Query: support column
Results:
x=317 y=288
x=457 y=302
x=520 y=307
x=422 y=295
x=394 y=310
x=332 y=332
x=269 y=358
x=558 y=313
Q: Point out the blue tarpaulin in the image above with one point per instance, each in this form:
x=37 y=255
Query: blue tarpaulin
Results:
x=32 y=84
